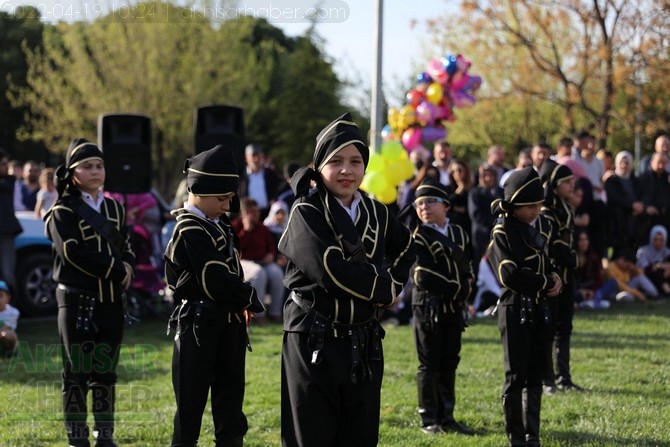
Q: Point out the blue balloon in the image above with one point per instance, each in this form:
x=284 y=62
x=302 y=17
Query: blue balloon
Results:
x=450 y=63
x=423 y=77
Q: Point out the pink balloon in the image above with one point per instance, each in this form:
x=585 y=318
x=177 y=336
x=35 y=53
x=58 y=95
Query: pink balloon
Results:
x=458 y=80
x=436 y=71
x=411 y=138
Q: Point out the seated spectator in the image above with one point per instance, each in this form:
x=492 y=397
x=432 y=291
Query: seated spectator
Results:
x=9 y=318
x=47 y=195
x=488 y=291
x=654 y=259
x=258 y=251
x=631 y=280
x=276 y=220
x=592 y=291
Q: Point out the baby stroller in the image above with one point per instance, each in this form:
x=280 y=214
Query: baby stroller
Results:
x=146 y=295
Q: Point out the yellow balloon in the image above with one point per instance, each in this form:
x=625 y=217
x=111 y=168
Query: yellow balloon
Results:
x=393 y=150
x=434 y=93
x=374 y=183
x=407 y=117
x=377 y=163
x=399 y=171
x=388 y=195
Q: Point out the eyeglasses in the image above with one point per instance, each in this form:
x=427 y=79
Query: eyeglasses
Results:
x=459 y=170
x=426 y=202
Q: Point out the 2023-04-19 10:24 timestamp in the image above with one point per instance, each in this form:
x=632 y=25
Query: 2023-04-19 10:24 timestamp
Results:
x=50 y=11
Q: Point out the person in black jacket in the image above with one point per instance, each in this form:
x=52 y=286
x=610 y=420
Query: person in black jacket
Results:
x=93 y=268
x=9 y=224
x=215 y=303
x=443 y=277
x=348 y=256
x=559 y=184
x=518 y=256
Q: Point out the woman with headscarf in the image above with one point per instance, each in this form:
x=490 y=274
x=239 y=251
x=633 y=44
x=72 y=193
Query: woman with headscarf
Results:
x=623 y=203
x=348 y=256
x=654 y=259
x=93 y=266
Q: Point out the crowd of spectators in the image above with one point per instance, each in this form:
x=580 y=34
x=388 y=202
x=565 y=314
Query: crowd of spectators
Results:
x=619 y=209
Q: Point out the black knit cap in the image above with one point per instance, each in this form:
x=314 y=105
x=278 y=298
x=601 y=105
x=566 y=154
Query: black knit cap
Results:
x=212 y=172
x=81 y=151
x=335 y=136
x=432 y=189
x=524 y=187
x=554 y=173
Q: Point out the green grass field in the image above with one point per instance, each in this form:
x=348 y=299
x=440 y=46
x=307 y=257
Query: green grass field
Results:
x=622 y=357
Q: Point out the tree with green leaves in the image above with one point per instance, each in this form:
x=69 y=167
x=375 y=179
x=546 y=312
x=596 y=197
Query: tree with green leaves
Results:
x=19 y=30
x=165 y=69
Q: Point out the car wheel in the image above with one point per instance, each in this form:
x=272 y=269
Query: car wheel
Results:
x=36 y=288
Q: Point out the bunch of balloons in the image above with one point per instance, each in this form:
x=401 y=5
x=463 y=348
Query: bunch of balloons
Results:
x=444 y=85
x=386 y=170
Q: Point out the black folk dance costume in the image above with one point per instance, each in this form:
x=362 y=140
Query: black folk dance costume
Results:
x=443 y=277
x=563 y=254
x=203 y=269
x=339 y=272
x=518 y=256
x=89 y=270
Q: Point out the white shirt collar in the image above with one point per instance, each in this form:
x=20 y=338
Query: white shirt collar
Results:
x=442 y=230
x=195 y=210
x=90 y=201
x=353 y=210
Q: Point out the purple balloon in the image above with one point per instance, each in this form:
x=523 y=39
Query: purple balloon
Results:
x=433 y=133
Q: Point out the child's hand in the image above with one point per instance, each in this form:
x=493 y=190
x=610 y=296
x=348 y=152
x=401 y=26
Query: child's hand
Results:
x=558 y=285
x=248 y=316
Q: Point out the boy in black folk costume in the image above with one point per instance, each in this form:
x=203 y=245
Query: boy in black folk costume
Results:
x=559 y=184
x=93 y=266
x=443 y=276
x=518 y=257
x=216 y=305
x=348 y=256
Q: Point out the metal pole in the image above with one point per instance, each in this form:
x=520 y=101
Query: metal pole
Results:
x=376 y=106
x=638 y=119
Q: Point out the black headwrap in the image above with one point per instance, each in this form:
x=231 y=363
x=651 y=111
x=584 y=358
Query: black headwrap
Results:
x=552 y=175
x=333 y=138
x=79 y=151
x=522 y=187
x=431 y=188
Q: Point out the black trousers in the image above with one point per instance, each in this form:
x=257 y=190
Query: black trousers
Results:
x=89 y=361
x=320 y=405
x=438 y=352
x=524 y=347
x=211 y=358
x=563 y=310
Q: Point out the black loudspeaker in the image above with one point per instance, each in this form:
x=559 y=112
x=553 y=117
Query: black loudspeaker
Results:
x=220 y=124
x=125 y=141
